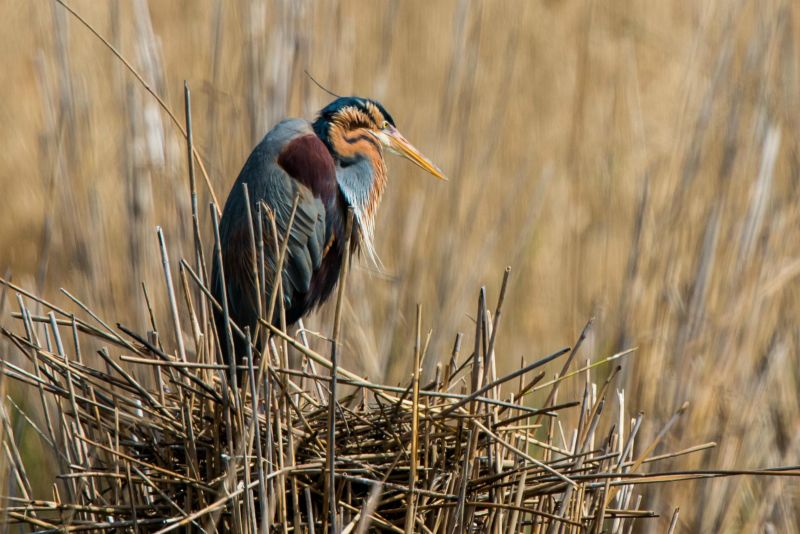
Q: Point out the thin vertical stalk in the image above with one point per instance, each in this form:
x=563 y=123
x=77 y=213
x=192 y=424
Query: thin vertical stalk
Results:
x=412 y=474
x=330 y=486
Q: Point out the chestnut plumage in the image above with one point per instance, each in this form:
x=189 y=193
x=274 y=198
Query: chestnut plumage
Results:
x=331 y=164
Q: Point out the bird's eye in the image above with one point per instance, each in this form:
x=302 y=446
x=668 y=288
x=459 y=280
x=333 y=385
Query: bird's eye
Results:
x=385 y=125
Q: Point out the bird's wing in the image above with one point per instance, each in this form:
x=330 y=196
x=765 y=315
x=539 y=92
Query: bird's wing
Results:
x=289 y=163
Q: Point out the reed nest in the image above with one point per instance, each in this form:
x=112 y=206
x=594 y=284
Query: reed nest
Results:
x=157 y=440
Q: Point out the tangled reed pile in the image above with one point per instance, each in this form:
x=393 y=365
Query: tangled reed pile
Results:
x=158 y=441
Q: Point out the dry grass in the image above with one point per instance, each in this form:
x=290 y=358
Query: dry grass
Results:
x=634 y=161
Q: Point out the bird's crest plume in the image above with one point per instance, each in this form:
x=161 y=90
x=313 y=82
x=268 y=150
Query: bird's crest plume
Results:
x=310 y=77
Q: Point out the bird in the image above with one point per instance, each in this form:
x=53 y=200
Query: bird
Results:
x=330 y=165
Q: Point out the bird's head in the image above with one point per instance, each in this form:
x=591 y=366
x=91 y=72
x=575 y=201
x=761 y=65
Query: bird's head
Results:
x=356 y=132
x=354 y=128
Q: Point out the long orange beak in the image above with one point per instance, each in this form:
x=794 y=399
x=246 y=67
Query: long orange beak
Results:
x=396 y=143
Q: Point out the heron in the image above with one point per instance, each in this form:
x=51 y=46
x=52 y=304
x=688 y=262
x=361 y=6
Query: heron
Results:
x=327 y=166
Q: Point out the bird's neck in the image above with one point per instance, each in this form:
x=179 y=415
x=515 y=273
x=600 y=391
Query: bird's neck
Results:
x=361 y=174
x=362 y=182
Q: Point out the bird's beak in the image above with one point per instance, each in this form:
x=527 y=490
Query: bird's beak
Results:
x=394 y=141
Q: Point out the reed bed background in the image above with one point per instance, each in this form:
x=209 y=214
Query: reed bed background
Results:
x=635 y=162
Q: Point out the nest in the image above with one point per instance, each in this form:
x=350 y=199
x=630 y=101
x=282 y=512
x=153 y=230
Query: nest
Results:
x=158 y=440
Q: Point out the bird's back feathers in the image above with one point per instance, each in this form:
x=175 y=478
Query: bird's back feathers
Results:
x=290 y=161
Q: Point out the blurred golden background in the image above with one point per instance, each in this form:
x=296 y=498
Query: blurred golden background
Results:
x=633 y=161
